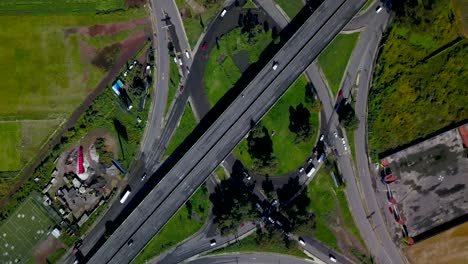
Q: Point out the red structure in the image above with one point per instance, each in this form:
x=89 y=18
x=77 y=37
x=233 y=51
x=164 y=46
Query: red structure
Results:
x=80 y=161
x=389 y=178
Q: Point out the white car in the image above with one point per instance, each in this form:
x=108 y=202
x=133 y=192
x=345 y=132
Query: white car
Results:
x=187 y=54
x=301 y=169
x=301 y=241
x=322 y=137
x=275 y=66
x=378 y=9
x=335 y=134
x=175 y=60
x=180 y=61
x=224 y=12
x=332 y=258
x=213 y=242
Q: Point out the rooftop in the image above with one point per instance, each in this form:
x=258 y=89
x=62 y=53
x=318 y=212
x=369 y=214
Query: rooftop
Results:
x=431 y=181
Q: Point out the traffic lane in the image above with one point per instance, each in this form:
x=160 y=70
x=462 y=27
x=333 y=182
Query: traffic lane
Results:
x=238 y=130
x=176 y=169
x=359 y=215
x=322 y=252
x=250 y=258
x=363 y=20
x=202 y=244
x=377 y=221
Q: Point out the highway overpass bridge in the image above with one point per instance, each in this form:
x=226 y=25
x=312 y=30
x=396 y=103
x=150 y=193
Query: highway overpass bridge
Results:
x=226 y=132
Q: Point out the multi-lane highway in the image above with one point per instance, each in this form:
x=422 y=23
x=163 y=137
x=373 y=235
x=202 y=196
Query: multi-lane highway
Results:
x=226 y=132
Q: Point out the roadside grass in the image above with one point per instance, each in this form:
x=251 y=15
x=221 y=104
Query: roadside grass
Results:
x=323 y=205
x=366 y=6
x=174 y=83
x=221 y=173
x=221 y=73
x=179 y=227
x=186 y=126
x=334 y=59
x=351 y=145
x=420 y=79
x=249 y=4
x=42 y=7
x=290 y=7
x=290 y=154
x=10 y=155
x=56 y=255
x=193 y=18
x=249 y=244
x=326 y=202
x=28 y=225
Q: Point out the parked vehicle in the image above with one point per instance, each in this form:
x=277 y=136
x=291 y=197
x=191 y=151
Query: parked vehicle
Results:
x=204 y=46
x=332 y=258
x=187 y=54
x=310 y=170
x=378 y=9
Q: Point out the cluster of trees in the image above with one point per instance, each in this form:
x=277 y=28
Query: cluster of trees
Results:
x=105 y=156
x=260 y=148
x=232 y=205
x=299 y=123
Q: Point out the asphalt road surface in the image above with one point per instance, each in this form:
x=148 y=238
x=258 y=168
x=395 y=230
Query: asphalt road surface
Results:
x=146 y=220
x=246 y=258
x=373 y=231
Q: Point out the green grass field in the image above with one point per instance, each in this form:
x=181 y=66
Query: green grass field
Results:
x=249 y=244
x=179 y=227
x=192 y=25
x=23 y=230
x=49 y=78
x=186 y=126
x=10 y=155
x=334 y=59
x=420 y=81
x=220 y=77
x=174 y=83
x=42 y=7
x=249 y=4
x=326 y=202
x=290 y=154
x=290 y=7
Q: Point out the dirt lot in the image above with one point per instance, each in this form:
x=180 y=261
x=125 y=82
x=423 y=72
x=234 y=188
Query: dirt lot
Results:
x=450 y=246
x=109 y=29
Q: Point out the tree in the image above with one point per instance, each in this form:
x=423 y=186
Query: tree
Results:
x=299 y=123
x=260 y=148
x=267 y=186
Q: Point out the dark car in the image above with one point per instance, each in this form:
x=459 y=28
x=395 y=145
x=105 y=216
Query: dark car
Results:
x=204 y=46
x=181 y=89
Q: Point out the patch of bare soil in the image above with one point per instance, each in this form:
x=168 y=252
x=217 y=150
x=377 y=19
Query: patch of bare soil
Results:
x=196 y=7
x=45 y=248
x=135 y=3
x=110 y=29
x=448 y=247
x=346 y=241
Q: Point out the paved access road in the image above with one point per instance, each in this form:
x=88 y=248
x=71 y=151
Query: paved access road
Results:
x=223 y=135
x=246 y=258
